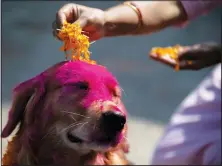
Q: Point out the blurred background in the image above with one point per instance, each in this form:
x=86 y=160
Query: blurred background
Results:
x=152 y=91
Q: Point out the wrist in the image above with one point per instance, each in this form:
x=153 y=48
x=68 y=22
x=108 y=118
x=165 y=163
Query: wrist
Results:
x=120 y=20
x=156 y=15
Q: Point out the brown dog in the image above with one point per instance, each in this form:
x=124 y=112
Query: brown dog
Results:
x=72 y=115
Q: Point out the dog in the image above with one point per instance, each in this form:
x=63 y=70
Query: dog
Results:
x=71 y=114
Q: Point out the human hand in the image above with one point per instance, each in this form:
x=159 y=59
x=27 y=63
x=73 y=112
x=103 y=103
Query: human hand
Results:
x=195 y=57
x=91 y=20
x=121 y=19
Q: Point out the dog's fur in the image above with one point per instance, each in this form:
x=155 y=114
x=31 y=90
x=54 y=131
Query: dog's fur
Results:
x=67 y=96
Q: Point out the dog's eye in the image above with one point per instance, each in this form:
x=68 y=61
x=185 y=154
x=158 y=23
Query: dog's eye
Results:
x=83 y=85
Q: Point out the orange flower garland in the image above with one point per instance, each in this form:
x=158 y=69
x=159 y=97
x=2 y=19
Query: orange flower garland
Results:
x=171 y=52
x=75 y=42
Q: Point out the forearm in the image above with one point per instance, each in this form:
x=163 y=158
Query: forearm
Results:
x=156 y=15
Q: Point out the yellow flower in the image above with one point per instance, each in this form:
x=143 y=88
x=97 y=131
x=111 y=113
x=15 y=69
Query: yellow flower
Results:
x=75 y=42
x=170 y=51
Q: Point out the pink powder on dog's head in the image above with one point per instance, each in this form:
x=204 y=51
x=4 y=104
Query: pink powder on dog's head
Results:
x=100 y=81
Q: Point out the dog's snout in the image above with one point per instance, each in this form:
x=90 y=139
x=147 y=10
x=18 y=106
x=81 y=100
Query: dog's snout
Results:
x=113 y=121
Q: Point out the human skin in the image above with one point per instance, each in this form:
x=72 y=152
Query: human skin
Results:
x=121 y=20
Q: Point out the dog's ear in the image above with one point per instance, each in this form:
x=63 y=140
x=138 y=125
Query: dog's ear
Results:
x=25 y=96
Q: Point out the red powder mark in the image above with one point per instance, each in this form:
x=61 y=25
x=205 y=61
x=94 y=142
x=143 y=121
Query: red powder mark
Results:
x=101 y=82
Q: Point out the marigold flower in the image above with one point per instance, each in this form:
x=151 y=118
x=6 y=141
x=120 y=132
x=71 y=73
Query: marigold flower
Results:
x=76 y=45
x=172 y=52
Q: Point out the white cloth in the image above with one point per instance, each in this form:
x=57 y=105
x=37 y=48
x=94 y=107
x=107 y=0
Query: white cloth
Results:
x=193 y=135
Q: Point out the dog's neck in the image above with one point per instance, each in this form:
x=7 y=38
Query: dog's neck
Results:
x=16 y=153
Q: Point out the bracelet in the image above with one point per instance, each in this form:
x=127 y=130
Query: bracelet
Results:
x=138 y=12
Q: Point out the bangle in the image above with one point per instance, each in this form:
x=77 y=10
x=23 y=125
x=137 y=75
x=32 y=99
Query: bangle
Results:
x=138 y=12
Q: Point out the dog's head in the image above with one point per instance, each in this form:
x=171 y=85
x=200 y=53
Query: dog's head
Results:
x=75 y=103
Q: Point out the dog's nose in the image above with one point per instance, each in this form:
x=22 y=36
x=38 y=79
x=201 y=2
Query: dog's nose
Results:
x=113 y=121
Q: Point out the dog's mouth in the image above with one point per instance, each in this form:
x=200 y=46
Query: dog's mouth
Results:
x=108 y=133
x=74 y=139
x=102 y=140
x=109 y=140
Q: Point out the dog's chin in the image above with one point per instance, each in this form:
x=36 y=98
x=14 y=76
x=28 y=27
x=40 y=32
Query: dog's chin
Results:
x=84 y=146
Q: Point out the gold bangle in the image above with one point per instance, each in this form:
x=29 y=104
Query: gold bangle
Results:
x=138 y=12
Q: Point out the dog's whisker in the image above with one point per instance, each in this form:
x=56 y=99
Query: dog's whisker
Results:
x=83 y=125
x=123 y=91
x=73 y=118
x=70 y=126
x=121 y=88
x=64 y=129
x=49 y=132
x=75 y=114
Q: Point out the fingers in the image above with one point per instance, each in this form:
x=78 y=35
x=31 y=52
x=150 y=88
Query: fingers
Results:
x=68 y=12
x=183 y=65
x=91 y=20
x=56 y=27
x=60 y=18
x=55 y=30
x=190 y=53
x=194 y=57
x=73 y=13
x=167 y=61
x=194 y=65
